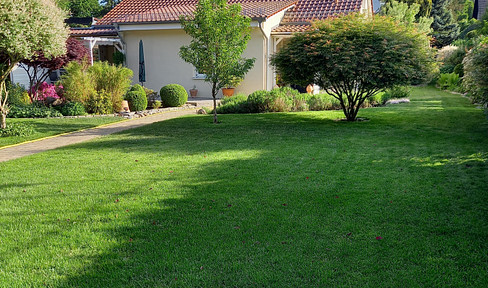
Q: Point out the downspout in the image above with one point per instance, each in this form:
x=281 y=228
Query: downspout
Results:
x=124 y=48
x=266 y=53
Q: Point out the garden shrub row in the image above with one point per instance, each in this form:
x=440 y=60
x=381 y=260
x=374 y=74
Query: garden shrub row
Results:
x=33 y=111
x=286 y=99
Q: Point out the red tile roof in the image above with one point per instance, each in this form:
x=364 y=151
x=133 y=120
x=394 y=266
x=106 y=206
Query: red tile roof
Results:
x=93 y=31
x=291 y=28
x=172 y=13
x=309 y=10
x=137 y=11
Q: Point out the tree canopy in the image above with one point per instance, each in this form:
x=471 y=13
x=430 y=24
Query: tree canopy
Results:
x=219 y=37
x=407 y=14
x=28 y=26
x=425 y=6
x=354 y=57
x=38 y=67
x=445 y=28
x=81 y=8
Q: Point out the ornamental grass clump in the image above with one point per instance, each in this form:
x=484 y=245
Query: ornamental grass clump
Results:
x=115 y=80
x=91 y=85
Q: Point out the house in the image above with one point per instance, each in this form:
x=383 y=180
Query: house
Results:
x=479 y=8
x=156 y=23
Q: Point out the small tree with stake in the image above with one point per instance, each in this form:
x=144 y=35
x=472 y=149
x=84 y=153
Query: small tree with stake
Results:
x=219 y=37
x=27 y=26
x=354 y=57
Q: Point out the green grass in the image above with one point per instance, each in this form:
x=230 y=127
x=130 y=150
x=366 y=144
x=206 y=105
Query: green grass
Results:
x=275 y=200
x=45 y=127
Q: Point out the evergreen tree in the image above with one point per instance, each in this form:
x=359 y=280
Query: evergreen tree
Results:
x=445 y=28
x=425 y=6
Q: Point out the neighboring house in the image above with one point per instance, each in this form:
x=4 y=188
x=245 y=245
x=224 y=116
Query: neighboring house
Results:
x=479 y=8
x=156 y=22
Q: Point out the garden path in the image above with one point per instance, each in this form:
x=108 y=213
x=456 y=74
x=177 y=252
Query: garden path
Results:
x=21 y=150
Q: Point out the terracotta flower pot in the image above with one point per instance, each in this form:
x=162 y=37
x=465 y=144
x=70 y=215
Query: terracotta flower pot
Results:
x=228 y=91
x=193 y=92
x=125 y=106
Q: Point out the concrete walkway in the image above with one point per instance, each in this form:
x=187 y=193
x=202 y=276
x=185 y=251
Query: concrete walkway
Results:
x=41 y=145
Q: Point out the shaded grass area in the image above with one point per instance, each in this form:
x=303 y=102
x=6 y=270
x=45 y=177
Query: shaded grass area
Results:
x=45 y=127
x=276 y=200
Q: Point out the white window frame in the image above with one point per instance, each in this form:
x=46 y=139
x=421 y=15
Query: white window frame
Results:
x=199 y=76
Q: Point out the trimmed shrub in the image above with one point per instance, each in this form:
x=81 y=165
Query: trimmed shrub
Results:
x=73 y=109
x=137 y=100
x=173 y=95
x=322 y=102
x=33 y=111
x=300 y=102
x=17 y=129
x=234 y=104
x=138 y=88
x=156 y=104
x=282 y=99
x=258 y=101
x=100 y=103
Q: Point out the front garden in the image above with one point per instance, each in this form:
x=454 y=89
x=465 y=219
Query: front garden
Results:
x=276 y=199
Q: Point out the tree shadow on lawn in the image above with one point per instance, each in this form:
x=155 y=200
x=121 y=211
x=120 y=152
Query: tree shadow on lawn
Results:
x=227 y=231
x=287 y=215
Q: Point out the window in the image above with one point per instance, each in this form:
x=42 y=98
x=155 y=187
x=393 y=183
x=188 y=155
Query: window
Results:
x=199 y=75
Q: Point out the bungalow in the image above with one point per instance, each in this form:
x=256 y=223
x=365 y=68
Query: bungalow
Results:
x=156 y=23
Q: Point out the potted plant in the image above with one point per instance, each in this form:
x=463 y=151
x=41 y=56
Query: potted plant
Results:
x=231 y=83
x=194 y=91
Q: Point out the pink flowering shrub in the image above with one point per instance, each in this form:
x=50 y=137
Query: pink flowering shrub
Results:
x=48 y=91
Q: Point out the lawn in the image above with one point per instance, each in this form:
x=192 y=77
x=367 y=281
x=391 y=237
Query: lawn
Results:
x=269 y=200
x=45 y=127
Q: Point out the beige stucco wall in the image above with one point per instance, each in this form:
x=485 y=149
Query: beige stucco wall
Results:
x=164 y=66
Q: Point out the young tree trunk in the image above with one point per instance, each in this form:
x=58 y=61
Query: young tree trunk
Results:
x=4 y=93
x=214 y=96
x=3 y=102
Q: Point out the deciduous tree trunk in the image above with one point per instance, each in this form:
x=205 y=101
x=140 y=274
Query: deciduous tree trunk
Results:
x=3 y=125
